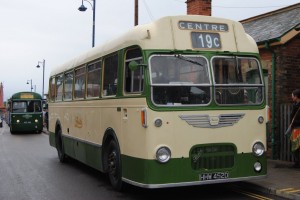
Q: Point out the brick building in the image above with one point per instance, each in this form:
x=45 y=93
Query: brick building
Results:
x=277 y=35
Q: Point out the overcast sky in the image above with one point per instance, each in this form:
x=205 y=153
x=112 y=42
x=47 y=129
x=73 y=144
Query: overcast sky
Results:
x=56 y=31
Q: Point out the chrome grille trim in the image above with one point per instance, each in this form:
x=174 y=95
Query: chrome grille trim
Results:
x=206 y=121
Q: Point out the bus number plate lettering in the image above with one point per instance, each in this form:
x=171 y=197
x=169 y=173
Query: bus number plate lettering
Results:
x=206 y=40
x=214 y=176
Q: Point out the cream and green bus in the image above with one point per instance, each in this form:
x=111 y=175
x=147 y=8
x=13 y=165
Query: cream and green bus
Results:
x=177 y=102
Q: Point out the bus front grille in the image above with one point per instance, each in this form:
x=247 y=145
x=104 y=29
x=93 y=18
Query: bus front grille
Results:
x=213 y=156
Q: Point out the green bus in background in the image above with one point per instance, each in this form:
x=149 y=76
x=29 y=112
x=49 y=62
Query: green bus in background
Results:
x=25 y=112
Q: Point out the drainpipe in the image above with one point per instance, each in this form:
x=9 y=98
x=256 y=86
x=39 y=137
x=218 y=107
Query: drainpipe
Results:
x=267 y=45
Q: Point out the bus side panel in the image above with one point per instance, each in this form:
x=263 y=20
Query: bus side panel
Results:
x=93 y=156
x=68 y=144
x=87 y=153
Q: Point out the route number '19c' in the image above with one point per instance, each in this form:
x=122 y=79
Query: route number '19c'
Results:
x=206 y=40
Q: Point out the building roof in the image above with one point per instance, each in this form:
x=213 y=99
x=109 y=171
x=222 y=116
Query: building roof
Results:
x=272 y=26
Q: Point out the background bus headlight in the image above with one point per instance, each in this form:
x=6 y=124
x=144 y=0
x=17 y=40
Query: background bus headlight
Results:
x=163 y=154
x=18 y=121
x=258 y=149
x=36 y=121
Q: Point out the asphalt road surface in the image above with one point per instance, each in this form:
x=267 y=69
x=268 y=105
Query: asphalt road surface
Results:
x=30 y=170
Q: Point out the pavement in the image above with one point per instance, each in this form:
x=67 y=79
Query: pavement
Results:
x=282 y=180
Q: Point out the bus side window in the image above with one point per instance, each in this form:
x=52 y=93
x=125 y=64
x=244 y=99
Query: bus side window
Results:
x=52 y=89
x=110 y=76
x=68 y=86
x=59 y=88
x=134 y=79
x=93 y=79
x=79 y=83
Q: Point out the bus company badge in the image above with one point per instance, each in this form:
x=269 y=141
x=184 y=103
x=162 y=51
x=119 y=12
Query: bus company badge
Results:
x=214 y=120
x=27 y=116
x=78 y=122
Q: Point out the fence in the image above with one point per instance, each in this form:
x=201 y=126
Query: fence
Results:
x=284 y=141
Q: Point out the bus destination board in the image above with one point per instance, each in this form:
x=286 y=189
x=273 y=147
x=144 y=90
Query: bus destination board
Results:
x=203 y=40
x=26 y=96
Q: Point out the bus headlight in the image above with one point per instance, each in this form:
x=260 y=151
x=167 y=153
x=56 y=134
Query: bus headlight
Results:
x=257 y=166
x=18 y=121
x=258 y=149
x=163 y=154
x=36 y=120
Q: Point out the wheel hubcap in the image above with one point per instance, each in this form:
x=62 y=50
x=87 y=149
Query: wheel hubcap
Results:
x=112 y=160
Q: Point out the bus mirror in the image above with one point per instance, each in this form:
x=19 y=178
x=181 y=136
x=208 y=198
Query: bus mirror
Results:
x=133 y=65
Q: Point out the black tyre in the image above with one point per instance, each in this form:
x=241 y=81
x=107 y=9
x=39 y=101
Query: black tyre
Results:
x=113 y=159
x=11 y=131
x=60 y=147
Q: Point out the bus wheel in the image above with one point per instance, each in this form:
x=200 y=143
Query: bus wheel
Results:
x=60 y=147
x=11 y=131
x=114 y=165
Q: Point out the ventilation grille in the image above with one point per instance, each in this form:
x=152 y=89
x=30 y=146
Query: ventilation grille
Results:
x=216 y=156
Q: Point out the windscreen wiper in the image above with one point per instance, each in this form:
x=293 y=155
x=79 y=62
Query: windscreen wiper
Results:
x=181 y=57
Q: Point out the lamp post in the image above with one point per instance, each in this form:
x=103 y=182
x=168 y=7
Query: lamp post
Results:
x=82 y=8
x=30 y=84
x=136 y=12
x=38 y=66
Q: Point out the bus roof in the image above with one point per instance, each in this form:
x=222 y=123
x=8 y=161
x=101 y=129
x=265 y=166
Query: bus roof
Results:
x=166 y=34
x=26 y=95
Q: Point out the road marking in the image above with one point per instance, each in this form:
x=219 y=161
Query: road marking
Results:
x=286 y=189
x=253 y=195
x=293 y=191
x=289 y=190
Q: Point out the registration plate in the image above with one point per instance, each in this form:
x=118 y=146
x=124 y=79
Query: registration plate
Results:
x=214 y=176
